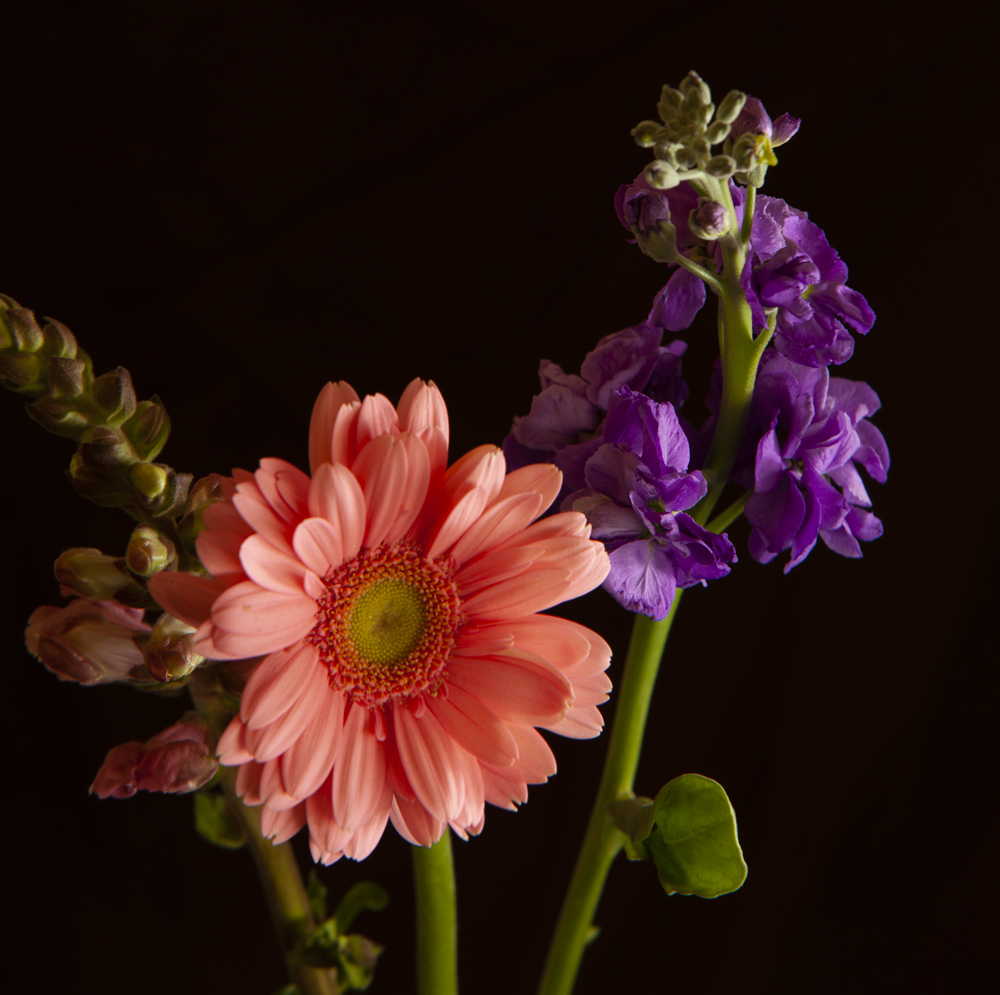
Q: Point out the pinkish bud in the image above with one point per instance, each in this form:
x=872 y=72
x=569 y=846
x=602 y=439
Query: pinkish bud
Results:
x=176 y=761
x=168 y=651
x=89 y=642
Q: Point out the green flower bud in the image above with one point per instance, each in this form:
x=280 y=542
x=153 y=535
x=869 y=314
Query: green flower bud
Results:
x=661 y=175
x=645 y=132
x=168 y=651
x=148 y=428
x=666 y=153
x=717 y=132
x=149 y=479
x=710 y=220
x=149 y=552
x=67 y=377
x=729 y=109
x=62 y=419
x=721 y=166
x=693 y=83
x=115 y=394
x=92 y=574
x=662 y=246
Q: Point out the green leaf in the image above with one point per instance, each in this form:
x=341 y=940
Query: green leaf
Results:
x=693 y=840
x=634 y=817
x=364 y=895
x=213 y=822
x=317 y=893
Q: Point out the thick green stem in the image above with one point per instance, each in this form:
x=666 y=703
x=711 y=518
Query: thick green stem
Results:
x=437 y=923
x=602 y=840
x=726 y=518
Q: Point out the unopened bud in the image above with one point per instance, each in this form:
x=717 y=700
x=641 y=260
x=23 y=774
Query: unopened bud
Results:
x=716 y=133
x=661 y=245
x=730 y=107
x=693 y=83
x=721 y=166
x=709 y=220
x=91 y=574
x=168 y=651
x=149 y=552
x=89 y=642
x=205 y=492
x=645 y=132
x=149 y=479
x=661 y=175
x=148 y=428
x=115 y=394
x=177 y=761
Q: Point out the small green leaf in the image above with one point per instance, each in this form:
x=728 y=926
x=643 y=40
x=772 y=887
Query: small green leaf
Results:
x=357 y=962
x=364 y=895
x=633 y=817
x=213 y=822
x=693 y=838
x=317 y=893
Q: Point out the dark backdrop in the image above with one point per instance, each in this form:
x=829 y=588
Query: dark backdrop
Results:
x=239 y=202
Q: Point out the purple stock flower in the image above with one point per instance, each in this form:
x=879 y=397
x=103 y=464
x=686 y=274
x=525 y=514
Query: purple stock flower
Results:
x=754 y=120
x=792 y=267
x=637 y=487
x=815 y=431
x=566 y=422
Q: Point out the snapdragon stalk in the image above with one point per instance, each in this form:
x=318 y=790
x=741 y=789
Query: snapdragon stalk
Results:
x=741 y=355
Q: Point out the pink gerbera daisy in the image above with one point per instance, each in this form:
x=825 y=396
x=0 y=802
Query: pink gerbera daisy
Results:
x=393 y=600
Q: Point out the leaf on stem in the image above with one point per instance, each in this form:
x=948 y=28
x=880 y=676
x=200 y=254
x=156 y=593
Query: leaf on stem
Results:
x=213 y=822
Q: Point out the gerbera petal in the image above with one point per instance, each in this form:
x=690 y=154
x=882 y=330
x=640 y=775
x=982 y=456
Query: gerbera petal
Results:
x=581 y=722
x=517 y=687
x=474 y=727
x=382 y=470
x=270 y=741
x=543 y=479
x=495 y=566
x=336 y=496
x=185 y=596
x=309 y=760
x=277 y=684
x=248 y=783
x=470 y=485
x=502 y=792
x=285 y=488
x=271 y=568
x=219 y=553
x=422 y=412
x=414 y=823
x=432 y=762
x=359 y=772
x=344 y=447
x=317 y=544
x=323 y=827
x=500 y=521
x=377 y=417
x=331 y=398
x=247 y=609
x=232 y=747
x=535 y=762
x=282 y=826
x=261 y=517
x=366 y=838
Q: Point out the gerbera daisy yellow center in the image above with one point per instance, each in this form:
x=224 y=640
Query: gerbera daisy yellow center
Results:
x=386 y=624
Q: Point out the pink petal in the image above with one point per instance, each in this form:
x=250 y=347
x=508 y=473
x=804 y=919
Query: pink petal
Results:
x=433 y=763
x=516 y=686
x=324 y=414
x=580 y=722
x=344 y=447
x=285 y=487
x=366 y=838
x=271 y=568
x=496 y=566
x=381 y=469
x=336 y=496
x=470 y=818
x=502 y=792
x=470 y=485
x=571 y=647
x=308 y=762
x=223 y=517
x=414 y=823
x=474 y=727
x=500 y=521
x=323 y=827
x=277 y=684
x=317 y=544
x=248 y=783
x=282 y=826
x=270 y=741
x=535 y=762
x=249 y=610
x=543 y=479
x=377 y=417
x=521 y=595
x=272 y=790
x=185 y=596
x=477 y=641
x=219 y=553
x=359 y=773
x=232 y=747
x=422 y=412
x=261 y=517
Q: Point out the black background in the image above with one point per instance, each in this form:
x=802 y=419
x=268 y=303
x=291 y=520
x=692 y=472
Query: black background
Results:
x=239 y=202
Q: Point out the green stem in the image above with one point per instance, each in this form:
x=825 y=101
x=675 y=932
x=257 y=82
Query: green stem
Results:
x=747 y=230
x=726 y=518
x=437 y=926
x=286 y=896
x=701 y=272
x=602 y=840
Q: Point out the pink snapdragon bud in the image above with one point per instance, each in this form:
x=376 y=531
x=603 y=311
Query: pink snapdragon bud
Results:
x=176 y=761
x=89 y=642
x=168 y=651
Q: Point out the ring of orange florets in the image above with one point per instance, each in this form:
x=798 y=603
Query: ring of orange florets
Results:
x=425 y=589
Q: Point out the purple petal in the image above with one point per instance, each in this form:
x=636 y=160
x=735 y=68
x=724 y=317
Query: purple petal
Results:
x=854 y=397
x=784 y=128
x=623 y=358
x=557 y=416
x=846 y=304
x=873 y=453
x=680 y=300
x=848 y=479
x=777 y=514
x=642 y=578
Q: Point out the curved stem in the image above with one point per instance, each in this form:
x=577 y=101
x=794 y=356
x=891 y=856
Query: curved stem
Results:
x=726 y=517
x=602 y=840
x=437 y=930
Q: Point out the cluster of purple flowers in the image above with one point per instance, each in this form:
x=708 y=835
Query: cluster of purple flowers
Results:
x=630 y=461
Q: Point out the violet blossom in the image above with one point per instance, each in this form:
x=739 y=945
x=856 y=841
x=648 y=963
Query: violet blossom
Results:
x=753 y=119
x=806 y=479
x=638 y=486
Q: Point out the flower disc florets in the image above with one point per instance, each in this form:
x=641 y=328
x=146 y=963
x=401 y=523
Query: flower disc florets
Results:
x=386 y=624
